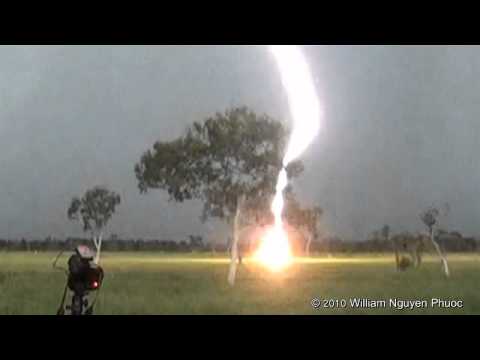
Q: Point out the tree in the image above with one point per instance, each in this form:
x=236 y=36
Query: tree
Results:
x=385 y=232
x=94 y=210
x=305 y=219
x=312 y=217
x=227 y=156
x=195 y=242
x=256 y=212
x=375 y=235
x=429 y=218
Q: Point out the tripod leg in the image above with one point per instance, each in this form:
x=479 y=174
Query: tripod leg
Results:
x=77 y=304
x=61 y=309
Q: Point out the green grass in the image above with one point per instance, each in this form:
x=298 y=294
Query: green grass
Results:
x=196 y=284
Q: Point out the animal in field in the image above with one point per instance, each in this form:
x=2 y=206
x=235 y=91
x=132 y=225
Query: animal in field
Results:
x=408 y=249
x=404 y=263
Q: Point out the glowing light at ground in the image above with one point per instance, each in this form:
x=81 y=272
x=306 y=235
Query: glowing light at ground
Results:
x=274 y=251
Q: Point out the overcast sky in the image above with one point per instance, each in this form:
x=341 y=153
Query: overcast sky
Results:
x=401 y=131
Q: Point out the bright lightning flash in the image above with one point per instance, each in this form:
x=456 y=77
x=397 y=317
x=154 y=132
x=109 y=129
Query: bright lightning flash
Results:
x=274 y=251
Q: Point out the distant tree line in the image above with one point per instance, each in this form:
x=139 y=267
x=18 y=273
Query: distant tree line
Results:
x=337 y=245
x=194 y=243
x=451 y=242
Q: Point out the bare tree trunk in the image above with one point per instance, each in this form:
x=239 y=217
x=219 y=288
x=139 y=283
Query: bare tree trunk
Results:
x=234 y=252
x=94 y=238
x=397 y=257
x=418 y=252
x=421 y=249
x=413 y=254
x=233 y=258
x=440 y=253
x=309 y=242
x=98 y=246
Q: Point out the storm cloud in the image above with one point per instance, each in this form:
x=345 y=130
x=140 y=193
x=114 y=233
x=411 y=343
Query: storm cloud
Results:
x=401 y=131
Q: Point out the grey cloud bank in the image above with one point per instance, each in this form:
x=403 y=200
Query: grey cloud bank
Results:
x=401 y=131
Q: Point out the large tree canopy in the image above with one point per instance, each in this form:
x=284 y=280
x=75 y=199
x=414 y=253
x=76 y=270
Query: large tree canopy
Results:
x=218 y=160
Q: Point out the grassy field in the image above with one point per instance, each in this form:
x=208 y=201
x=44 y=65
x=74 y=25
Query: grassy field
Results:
x=196 y=284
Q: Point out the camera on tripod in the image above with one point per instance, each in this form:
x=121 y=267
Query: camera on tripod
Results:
x=84 y=276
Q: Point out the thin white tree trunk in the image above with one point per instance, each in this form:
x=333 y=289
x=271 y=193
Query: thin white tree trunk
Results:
x=97 y=240
x=440 y=253
x=94 y=238
x=397 y=257
x=413 y=254
x=309 y=242
x=233 y=257
x=234 y=252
